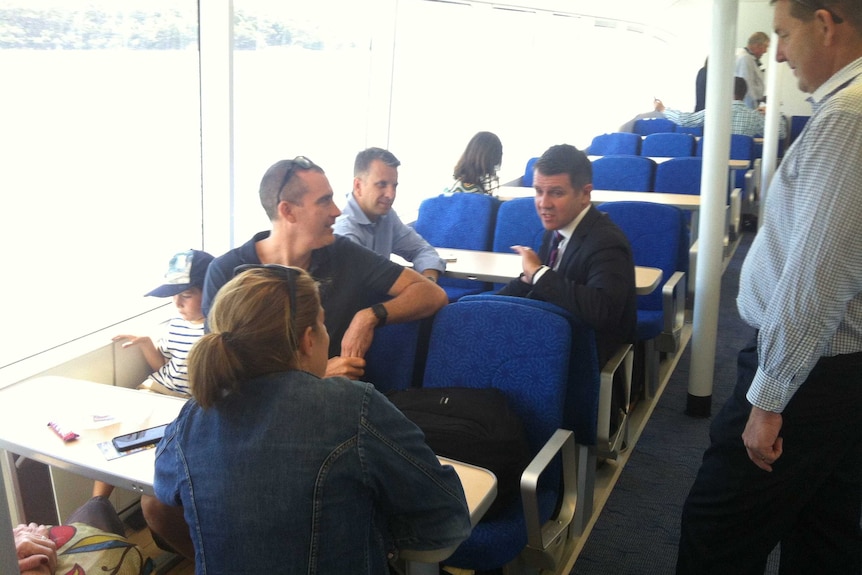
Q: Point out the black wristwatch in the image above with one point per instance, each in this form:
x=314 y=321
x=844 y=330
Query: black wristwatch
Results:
x=380 y=313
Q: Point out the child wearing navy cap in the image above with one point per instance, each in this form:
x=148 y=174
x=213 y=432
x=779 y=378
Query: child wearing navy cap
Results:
x=184 y=282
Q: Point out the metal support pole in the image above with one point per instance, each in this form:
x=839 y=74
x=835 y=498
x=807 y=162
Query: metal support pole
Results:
x=714 y=198
x=217 y=153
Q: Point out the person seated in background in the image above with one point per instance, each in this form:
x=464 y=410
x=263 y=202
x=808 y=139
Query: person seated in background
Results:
x=184 y=282
x=630 y=125
x=700 y=87
x=369 y=220
x=585 y=263
x=333 y=477
x=91 y=541
x=360 y=290
x=476 y=171
x=743 y=120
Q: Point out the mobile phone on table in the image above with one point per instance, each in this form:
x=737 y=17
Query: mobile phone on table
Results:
x=142 y=438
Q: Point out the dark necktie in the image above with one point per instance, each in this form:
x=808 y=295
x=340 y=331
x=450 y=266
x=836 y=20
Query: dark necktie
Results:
x=555 y=249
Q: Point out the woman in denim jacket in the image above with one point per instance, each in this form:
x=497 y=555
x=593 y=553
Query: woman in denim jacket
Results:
x=271 y=469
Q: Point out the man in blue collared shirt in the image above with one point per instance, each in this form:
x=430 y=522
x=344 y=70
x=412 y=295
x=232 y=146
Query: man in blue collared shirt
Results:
x=785 y=460
x=369 y=220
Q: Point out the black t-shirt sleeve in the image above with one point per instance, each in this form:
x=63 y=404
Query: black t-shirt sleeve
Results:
x=351 y=278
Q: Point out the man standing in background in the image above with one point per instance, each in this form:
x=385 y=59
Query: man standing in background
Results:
x=749 y=69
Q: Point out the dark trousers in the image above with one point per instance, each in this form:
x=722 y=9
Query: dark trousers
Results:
x=811 y=502
x=98 y=512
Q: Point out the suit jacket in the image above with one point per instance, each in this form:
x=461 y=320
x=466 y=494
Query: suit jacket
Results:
x=595 y=281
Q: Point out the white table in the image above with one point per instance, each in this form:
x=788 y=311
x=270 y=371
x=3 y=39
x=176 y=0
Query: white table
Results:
x=731 y=163
x=499 y=267
x=27 y=406
x=736 y=197
x=480 y=490
x=687 y=202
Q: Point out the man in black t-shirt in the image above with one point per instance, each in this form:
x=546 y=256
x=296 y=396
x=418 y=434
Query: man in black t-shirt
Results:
x=359 y=289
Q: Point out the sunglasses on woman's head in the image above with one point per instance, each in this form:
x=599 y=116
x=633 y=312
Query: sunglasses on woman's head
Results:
x=286 y=273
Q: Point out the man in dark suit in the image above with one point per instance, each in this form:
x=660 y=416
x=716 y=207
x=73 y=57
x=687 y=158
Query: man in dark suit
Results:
x=585 y=263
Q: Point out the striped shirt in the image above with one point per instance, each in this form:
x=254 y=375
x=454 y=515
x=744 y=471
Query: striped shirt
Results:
x=801 y=283
x=175 y=346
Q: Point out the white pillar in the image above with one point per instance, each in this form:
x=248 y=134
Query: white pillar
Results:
x=216 y=63
x=773 y=116
x=713 y=194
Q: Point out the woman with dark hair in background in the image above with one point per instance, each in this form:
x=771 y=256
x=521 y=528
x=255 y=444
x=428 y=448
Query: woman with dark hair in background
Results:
x=476 y=171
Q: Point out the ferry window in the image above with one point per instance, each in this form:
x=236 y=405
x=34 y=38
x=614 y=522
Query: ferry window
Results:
x=100 y=125
x=301 y=84
x=100 y=139
x=534 y=77
x=445 y=88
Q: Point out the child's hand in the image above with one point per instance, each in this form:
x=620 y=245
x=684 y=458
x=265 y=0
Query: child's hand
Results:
x=154 y=357
x=132 y=339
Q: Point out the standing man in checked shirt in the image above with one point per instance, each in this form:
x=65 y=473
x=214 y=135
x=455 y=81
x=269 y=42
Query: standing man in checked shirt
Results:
x=785 y=460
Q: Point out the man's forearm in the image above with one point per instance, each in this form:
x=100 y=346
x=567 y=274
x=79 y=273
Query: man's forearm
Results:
x=416 y=301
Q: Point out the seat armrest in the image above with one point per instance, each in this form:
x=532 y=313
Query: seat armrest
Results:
x=424 y=558
x=757 y=176
x=545 y=542
x=748 y=188
x=623 y=359
x=735 y=213
x=673 y=305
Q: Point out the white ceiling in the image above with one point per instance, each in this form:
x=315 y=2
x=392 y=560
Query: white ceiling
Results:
x=644 y=11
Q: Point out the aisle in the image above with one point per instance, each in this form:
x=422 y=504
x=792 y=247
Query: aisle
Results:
x=638 y=528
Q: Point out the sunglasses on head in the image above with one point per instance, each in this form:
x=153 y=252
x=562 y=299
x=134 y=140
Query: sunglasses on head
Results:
x=298 y=163
x=286 y=273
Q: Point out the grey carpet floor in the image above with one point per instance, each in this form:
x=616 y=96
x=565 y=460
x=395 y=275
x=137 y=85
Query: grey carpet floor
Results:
x=637 y=532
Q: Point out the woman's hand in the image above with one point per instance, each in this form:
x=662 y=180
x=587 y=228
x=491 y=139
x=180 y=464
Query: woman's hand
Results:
x=37 y=554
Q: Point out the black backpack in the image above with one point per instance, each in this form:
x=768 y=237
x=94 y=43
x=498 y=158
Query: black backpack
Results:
x=474 y=426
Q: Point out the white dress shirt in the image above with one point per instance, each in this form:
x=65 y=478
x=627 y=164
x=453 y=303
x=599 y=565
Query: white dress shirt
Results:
x=566 y=232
